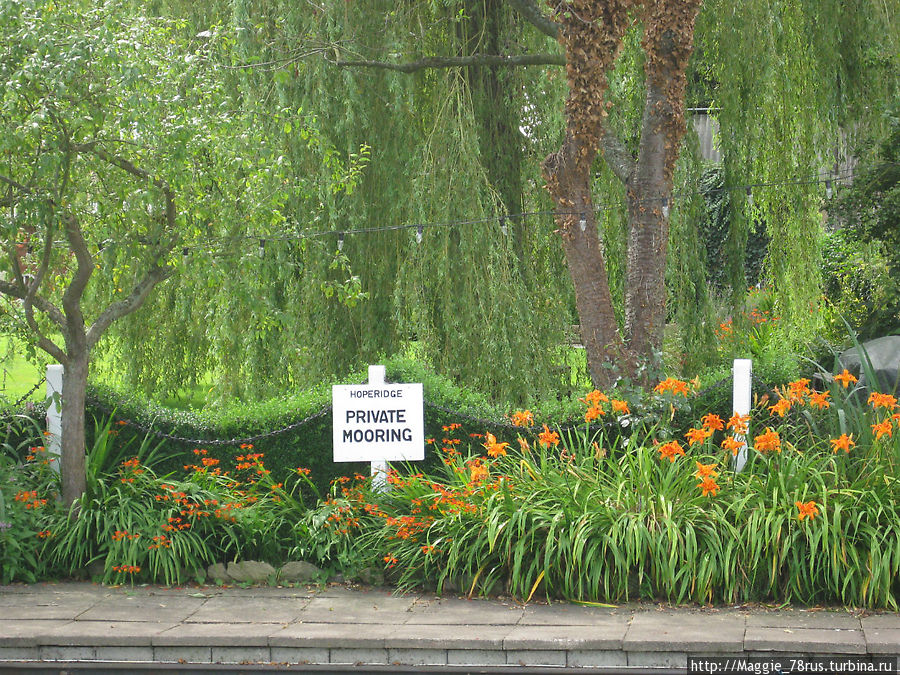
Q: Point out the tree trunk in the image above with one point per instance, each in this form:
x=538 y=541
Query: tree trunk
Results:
x=649 y=192
x=72 y=463
x=570 y=181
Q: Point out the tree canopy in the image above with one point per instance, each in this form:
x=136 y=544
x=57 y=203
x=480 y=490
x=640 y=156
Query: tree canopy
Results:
x=379 y=114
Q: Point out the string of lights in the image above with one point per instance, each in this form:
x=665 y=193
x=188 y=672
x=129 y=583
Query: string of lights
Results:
x=828 y=180
x=503 y=220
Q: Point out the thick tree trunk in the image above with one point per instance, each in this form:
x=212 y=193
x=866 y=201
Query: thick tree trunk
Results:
x=72 y=463
x=591 y=33
x=571 y=180
x=649 y=192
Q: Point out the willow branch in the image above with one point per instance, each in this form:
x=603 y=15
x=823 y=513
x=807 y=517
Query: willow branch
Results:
x=129 y=304
x=533 y=15
x=460 y=61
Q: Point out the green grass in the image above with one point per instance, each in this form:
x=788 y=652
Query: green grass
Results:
x=18 y=375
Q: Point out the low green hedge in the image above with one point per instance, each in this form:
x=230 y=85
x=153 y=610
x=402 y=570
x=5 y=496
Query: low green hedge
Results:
x=308 y=445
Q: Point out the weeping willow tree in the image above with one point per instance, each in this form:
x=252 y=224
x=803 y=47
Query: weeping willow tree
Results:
x=793 y=79
x=368 y=150
x=452 y=107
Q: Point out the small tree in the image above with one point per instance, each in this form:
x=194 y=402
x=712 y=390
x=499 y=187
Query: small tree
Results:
x=110 y=148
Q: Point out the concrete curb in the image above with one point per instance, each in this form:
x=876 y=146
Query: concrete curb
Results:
x=336 y=626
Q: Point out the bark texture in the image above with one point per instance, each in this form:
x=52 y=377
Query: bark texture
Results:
x=591 y=33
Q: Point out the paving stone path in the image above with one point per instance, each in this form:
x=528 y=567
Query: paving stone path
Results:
x=82 y=622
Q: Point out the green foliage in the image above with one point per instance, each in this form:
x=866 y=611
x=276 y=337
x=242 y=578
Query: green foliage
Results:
x=863 y=263
x=602 y=518
x=435 y=133
x=766 y=59
x=135 y=525
x=859 y=288
x=28 y=491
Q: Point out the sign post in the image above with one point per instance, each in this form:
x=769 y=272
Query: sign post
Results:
x=54 y=413
x=742 y=371
x=378 y=423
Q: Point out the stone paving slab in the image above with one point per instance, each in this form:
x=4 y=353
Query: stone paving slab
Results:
x=665 y=631
x=103 y=633
x=608 y=634
x=332 y=636
x=434 y=636
x=142 y=608
x=345 y=625
x=561 y=614
x=468 y=612
x=16 y=633
x=217 y=634
x=804 y=619
x=226 y=609
x=46 y=605
x=808 y=640
x=883 y=641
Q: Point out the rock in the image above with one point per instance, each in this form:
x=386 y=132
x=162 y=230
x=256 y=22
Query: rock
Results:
x=217 y=572
x=251 y=571
x=884 y=354
x=337 y=579
x=299 y=572
x=371 y=576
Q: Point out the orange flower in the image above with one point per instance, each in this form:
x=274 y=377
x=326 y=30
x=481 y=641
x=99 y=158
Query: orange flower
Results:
x=739 y=423
x=523 y=444
x=767 y=442
x=427 y=549
x=695 y=436
x=126 y=569
x=798 y=389
x=704 y=470
x=620 y=407
x=882 y=428
x=846 y=378
x=820 y=399
x=494 y=449
x=807 y=509
x=478 y=471
x=781 y=407
x=712 y=422
x=709 y=486
x=842 y=442
x=548 y=438
x=669 y=450
x=390 y=560
x=593 y=413
x=672 y=385
x=879 y=400
x=733 y=444
x=522 y=418
x=594 y=398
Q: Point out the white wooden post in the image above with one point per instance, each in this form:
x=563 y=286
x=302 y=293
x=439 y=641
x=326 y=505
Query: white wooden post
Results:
x=379 y=467
x=54 y=413
x=741 y=397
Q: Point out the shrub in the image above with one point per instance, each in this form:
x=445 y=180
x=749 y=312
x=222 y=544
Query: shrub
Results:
x=595 y=517
x=28 y=492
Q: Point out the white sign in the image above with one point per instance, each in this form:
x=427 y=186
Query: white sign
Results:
x=378 y=422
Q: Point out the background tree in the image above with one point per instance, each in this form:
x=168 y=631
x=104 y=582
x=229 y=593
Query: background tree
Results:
x=113 y=155
x=460 y=102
